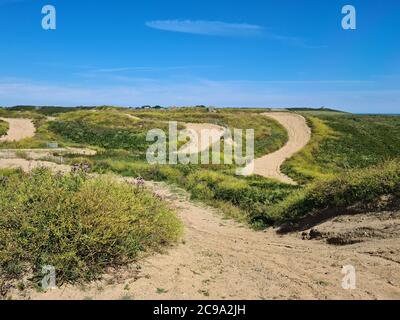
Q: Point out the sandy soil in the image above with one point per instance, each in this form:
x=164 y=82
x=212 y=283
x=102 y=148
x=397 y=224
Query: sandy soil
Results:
x=199 y=143
x=299 y=135
x=28 y=165
x=220 y=259
x=19 y=129
x=38 y=154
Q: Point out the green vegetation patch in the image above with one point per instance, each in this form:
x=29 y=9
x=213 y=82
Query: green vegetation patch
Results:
x=106 y=129
x=4 y=126
x=269 y=135
x=79 y=225
x=244 y=198
x=349 y=188
x=341 y=142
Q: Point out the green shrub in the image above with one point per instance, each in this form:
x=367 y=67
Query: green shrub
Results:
x=79 y=225
x=3 y=128
x=349 y=188
x=251 y=195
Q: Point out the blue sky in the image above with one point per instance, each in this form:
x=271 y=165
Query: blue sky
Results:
x=228 y=53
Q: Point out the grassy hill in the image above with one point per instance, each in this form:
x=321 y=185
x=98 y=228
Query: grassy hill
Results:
x=341 y=143
x=83 y=225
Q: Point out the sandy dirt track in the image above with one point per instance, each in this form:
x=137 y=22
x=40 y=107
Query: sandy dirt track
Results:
x=19 y=129
x=199 y=143
x=220 y=259
x=269 y=166
x=28 y=165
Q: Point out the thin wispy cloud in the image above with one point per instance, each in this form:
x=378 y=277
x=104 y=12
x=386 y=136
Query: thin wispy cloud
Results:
x=210 y=28
x=145 y=69
x=224 y=29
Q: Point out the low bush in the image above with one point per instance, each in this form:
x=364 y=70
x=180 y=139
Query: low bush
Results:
x=362 y=186
x=79 y=225
x=251 y=195
x=3 y=128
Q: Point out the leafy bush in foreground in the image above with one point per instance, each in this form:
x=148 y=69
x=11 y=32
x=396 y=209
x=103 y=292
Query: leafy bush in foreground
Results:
x=358 y=186
x=3 y=128
x=79 y=225
x=243 y=198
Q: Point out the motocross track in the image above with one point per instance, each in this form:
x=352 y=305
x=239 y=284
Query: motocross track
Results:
x=269 y=166
x=221 y=259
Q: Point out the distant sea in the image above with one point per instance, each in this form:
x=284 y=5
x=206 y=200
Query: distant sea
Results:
x=378 y=114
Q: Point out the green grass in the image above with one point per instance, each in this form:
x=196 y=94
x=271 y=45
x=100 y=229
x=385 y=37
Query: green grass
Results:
x=242 y=198
x=361 y=186
x=79 y=225
x=269 y=135
x=108 y=129
x=342 y=142
x=303 y=167
x=3 y=128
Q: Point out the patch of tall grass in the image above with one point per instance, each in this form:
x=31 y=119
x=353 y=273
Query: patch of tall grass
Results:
x=79 y=225
x=243 y=198
x=302 y=166
x=361 y=186
x=4 y=126
x=343 y=141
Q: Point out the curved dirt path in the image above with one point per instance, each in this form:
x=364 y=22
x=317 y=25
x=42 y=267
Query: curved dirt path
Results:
x=221 y=259
x=19 y=129
x=269 y=166
x=28 y=165
x=199 y=142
